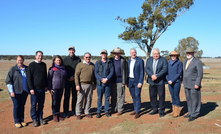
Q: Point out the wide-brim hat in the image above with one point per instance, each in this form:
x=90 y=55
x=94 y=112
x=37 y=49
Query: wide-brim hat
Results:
x=103 y=51
x=174 y=53
x=189 y=50
x=117 y=50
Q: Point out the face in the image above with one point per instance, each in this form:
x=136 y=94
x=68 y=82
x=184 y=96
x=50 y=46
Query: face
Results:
x=189 y=55
x=156 y=54
x=39 y=57
x=71 y=52
x=87 y=58
x=173 y=57
x=133 y=53
x=57 y=61
x=20 y=61
x=117 y=56
x=103 y=55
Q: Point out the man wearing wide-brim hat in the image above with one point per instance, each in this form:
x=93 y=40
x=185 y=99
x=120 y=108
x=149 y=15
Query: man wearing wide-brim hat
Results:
x=192 y=77
x=119 y=81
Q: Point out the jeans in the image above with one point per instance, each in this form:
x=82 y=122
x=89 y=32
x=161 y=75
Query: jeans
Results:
x=106 y=90
x=175 y=93
x=56 y=101
x=70 y=88
x=37 y=104
x=135 y=93
x=19 y=106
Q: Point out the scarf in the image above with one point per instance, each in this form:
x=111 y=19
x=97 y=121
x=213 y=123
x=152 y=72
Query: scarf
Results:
x=59 y=67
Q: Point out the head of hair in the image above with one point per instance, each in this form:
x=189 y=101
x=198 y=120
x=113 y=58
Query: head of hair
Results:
x=20 y=56
x=87 y=53
x=38 y=52
x=54 y=58
x=133 y=49
x=156 y=49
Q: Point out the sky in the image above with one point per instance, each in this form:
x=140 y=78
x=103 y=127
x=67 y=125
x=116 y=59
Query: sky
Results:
x=52 y=26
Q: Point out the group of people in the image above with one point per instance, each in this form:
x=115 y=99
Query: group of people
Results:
x=109 y=76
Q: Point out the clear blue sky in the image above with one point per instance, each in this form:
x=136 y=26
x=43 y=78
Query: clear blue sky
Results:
x=53 y=25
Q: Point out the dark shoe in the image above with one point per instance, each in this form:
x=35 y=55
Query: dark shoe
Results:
x=73 y=113
x=120 y=113
x=137 y=115
x=153 y=112
x=162 y=114
x=55 y=118
x=42 y=122
x=133 y=113
x=78 y=117
x=65 y=115
x=35 y=123
x=187 y=116
x=98 y=115
x=192 y=118
x=89 y=115
x=60 y=117
x=107 y=114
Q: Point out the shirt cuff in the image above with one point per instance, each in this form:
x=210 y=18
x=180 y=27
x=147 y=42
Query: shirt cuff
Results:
x=10 y=88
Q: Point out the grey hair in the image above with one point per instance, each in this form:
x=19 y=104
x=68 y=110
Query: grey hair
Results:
x=87 y=53
x=156 y=49
x=133 y=49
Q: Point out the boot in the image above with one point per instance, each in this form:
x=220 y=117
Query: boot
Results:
x=177 y=111
x=172 y=110
x=60 y=117
x=55 y=117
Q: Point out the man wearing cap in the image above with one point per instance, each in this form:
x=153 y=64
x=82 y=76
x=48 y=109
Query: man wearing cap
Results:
x=156 y=69
x=104 y=71
x=119 y=81
x=85 y=84
x=192 y=77
x=70 y=63
x=136 y=78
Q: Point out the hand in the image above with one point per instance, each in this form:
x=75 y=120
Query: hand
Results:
x=12 y=94
x=94 y=87
x=154 y=77
x=32 y=91
x=123 y=85
x=196 y=86
x=46 y=89
x=139 y=85
x=51 y=92
x=104 y=80
x=78 y=88
x=182 y=84
x=170 y=82
x=71 y=78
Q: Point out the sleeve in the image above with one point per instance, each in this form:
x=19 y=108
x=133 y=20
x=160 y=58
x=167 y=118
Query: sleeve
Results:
x=98 y=77
x=148 y=70
x=199 y=78
x=46 y=77
x=141 y=72
x=30 y=77
x=9 y=80
x=50 y=76
x=111 y=71
x=77 y=75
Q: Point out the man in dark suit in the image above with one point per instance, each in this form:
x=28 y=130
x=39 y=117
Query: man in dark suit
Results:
x=156 y=69
x=136 y=78
x=192 y=77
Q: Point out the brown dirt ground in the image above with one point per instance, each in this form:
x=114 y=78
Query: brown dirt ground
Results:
x=153 y=124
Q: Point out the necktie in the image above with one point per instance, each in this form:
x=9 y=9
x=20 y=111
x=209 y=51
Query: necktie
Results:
x=154 y=66
x=188 y=63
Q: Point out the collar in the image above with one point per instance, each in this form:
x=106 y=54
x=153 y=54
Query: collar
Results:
x=86 y=62
x=37 y=61
x=133 y=59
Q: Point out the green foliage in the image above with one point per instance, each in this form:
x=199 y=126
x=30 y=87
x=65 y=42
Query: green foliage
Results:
x=165 y=54
x=184 y=44
x=9 y=58
x=156 y=17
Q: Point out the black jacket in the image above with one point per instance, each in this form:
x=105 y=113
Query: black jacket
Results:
x=70 y=65
x=14 y=78
x=124 y=71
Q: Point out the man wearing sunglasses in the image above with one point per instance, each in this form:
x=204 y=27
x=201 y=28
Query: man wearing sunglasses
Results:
x=85 y=84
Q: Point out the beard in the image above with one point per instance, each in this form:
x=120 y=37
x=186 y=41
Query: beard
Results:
x=189 y=56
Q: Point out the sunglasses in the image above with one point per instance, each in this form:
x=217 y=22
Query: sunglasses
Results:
x=87 y=57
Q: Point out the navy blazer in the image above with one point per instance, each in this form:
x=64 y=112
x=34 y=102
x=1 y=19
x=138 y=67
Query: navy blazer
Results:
x=161 y=71
x=138 y=70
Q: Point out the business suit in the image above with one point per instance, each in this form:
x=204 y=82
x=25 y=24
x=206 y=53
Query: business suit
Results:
x=138 y=73
x=158 y=85
x=193 y=76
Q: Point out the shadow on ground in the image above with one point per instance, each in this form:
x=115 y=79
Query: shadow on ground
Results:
x=1 y=90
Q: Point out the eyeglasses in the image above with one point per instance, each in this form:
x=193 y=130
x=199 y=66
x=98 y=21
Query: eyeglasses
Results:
x=87 y=57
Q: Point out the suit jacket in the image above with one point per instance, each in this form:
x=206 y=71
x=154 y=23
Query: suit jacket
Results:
x=161 y=71
x=138 y=70
x=194 y=73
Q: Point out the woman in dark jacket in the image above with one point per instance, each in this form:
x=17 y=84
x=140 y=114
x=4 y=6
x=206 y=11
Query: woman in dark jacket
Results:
x=16 y=82
x=175 y=70
x=56 y=84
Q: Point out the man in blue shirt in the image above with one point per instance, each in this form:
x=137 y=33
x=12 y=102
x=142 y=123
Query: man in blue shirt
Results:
x=104 y=71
